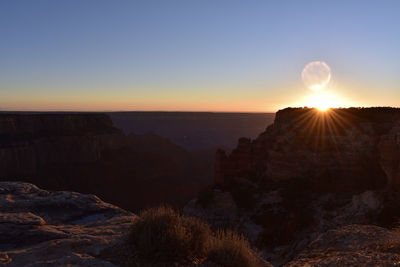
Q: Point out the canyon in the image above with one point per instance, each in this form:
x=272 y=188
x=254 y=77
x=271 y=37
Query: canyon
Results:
x=194 y=131
x=84 y=152
x=315 y=188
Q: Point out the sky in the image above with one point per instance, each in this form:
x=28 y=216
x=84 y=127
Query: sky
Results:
x=208 y=55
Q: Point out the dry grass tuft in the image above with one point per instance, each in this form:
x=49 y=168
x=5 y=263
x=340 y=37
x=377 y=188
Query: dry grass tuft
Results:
x=163 y=234
x=231 y=249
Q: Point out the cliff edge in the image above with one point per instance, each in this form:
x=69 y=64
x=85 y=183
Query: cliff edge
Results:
x=351 y=150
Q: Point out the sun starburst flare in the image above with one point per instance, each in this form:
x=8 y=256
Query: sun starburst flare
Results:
x=323 y=101
x=316 y=76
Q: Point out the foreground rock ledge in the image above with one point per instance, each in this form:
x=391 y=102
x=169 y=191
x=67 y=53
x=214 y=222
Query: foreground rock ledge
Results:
x=42 y=228
x=352 y=245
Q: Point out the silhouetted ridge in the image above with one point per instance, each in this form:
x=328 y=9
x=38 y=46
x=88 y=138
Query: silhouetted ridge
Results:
x=14 y=127
x=349 y=117
x=340 y=149
x=84 y=152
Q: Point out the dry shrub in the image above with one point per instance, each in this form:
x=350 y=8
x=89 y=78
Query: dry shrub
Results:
x=163 y=234
x=229 y=249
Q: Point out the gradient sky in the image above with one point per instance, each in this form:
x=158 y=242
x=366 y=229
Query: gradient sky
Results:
x=194 y=55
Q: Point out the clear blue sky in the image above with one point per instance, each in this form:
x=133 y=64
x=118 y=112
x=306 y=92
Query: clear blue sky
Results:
x=194 y=55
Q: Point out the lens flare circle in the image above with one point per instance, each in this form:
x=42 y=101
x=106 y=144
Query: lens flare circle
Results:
x=316 y=75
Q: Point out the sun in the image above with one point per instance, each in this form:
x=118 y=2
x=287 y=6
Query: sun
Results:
x=322 y=93
x=316 y=76
x=323 y=107
x=323 y=101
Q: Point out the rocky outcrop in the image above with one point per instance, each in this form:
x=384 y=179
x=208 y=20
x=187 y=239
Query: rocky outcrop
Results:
x=342 y=149
x=282 y=224
x=352 y=245
x=42 y=228
x=310 y=173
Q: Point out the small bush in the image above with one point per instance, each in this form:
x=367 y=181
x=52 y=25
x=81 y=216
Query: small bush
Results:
x=229 y=249
x=162 y=234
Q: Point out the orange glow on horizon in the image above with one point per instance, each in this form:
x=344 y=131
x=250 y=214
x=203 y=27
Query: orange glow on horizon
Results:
x=218 y=101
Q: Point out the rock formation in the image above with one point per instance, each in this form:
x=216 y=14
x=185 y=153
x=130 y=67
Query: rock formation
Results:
x=312 y=173
x=352 y=245
x=42 y=228
x=342 y=149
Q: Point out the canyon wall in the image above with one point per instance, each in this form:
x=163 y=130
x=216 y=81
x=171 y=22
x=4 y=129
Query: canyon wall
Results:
x=29 y=142
x=84 y=152
x=338 y=150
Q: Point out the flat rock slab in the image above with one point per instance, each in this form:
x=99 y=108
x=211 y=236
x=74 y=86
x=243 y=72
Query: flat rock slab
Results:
x=43 y=228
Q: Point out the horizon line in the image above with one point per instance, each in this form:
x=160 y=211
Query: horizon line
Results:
x=109 y=111
x=177 y=111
